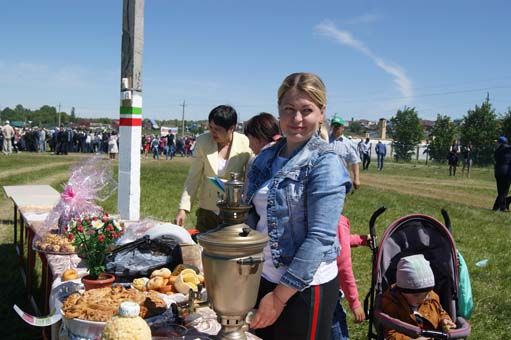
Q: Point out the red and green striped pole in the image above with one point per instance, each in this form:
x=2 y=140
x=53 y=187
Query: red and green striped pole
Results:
x=130 y=114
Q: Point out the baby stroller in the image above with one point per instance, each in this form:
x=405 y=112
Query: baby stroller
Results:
x=409 y=235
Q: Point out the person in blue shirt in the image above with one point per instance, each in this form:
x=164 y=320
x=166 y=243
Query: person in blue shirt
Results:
x=297 y=188
x=381 y=152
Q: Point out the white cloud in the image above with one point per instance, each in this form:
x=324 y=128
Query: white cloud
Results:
x=343 y=37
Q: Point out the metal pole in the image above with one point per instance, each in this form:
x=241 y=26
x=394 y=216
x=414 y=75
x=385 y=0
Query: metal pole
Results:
x=59 y=114
x=183 y=119
x=130 y=122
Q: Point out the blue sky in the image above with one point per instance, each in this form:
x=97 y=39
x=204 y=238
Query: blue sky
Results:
x=374 y=56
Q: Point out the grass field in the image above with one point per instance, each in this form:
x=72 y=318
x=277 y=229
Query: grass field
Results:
x=403 y=188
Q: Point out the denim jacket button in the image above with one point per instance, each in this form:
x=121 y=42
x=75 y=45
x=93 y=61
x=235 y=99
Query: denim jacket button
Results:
x=274 y=245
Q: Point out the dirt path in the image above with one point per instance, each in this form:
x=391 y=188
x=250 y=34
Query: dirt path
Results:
x=28 y=169
x=462 y=183
x=428 y=189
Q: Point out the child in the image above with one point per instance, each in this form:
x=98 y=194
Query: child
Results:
x=412 y=299
x=347 y=280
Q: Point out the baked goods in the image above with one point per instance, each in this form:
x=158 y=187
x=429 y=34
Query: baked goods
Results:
x=187 y=280
x=180 y=267
x=102 y=303
x=163 y=272
x=54 y=243
x=140 y=283
x=128 y=325
x=69 y=274
x=156 y=283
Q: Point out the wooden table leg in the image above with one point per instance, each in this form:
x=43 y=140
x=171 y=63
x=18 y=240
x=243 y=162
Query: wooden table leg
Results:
x=46 y=283
x=22 y=241
x=16 y=227
x=30 y=262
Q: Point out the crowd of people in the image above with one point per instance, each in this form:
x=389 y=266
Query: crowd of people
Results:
x=167 y=146
x=59 y=140
x=62 y=140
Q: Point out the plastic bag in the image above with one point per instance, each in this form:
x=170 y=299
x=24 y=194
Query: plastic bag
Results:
x=465 y=300
x=91 y=180
x=141 y=257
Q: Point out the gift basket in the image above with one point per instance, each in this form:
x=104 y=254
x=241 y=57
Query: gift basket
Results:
x=90 y=181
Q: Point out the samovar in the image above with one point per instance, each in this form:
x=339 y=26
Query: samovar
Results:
x=232 y=258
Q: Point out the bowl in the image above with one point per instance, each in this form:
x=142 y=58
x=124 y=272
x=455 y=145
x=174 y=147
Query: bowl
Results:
x=84 y=328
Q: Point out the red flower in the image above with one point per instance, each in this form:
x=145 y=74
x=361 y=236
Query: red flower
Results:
x=101 y=238
x=70 y=237
x=79 y=229
x=104 y=219
x=94 y=218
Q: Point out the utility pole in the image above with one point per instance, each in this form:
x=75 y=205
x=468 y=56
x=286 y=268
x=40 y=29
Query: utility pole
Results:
x=183 y=118
x=59 y=114
x=130 y=120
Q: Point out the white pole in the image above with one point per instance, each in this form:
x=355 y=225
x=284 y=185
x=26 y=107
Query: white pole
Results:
x=130 y=122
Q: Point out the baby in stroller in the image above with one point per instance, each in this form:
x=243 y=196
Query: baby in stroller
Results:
x=412 y=299
x=416 y=253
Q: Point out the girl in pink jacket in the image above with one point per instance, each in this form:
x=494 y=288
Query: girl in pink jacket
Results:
x=347 y=282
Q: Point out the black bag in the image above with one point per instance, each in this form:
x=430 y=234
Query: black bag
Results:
x=140 y=257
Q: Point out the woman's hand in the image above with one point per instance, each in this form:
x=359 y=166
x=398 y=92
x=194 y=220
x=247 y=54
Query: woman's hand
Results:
x=359 y=314
x=181 y=217
x=268 y=312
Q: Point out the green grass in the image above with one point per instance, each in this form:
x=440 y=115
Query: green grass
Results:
x=403 y=188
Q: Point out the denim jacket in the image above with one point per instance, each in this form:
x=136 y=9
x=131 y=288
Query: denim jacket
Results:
x=305 y=200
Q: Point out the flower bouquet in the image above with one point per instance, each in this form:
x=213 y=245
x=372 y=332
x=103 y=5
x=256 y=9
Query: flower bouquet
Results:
x=93 y=237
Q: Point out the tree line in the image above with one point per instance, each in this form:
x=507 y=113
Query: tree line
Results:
x=44 y=116
x=481 y=126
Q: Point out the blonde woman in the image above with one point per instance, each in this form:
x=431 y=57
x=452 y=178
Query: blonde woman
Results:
x=297 y=188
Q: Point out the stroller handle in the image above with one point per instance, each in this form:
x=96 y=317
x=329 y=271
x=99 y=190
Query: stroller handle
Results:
x=372 y=221
x=447 y=219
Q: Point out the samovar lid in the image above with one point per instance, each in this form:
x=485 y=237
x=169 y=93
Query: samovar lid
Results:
x=233 y=241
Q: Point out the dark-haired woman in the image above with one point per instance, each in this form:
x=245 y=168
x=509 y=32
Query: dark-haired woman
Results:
x=217 y=152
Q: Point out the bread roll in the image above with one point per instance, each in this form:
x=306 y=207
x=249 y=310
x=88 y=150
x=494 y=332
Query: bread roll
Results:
x=69 y=274
x=156 y=283
x=163 y=272
x=166 y=289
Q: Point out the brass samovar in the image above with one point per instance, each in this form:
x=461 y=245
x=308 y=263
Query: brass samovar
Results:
x=232 y=258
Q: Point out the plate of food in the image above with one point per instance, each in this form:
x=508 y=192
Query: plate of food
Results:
x=86 y=313
x=54 y=243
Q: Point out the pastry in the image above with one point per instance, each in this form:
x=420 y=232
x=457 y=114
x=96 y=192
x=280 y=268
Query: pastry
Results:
x=163 y=272
x=140 y=283
x=102 y=303
x=156 y=283
x=166 y=289
x=69 y=274
x=187 y=280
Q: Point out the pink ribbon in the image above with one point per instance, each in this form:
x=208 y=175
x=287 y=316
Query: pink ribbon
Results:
x=68 y=194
